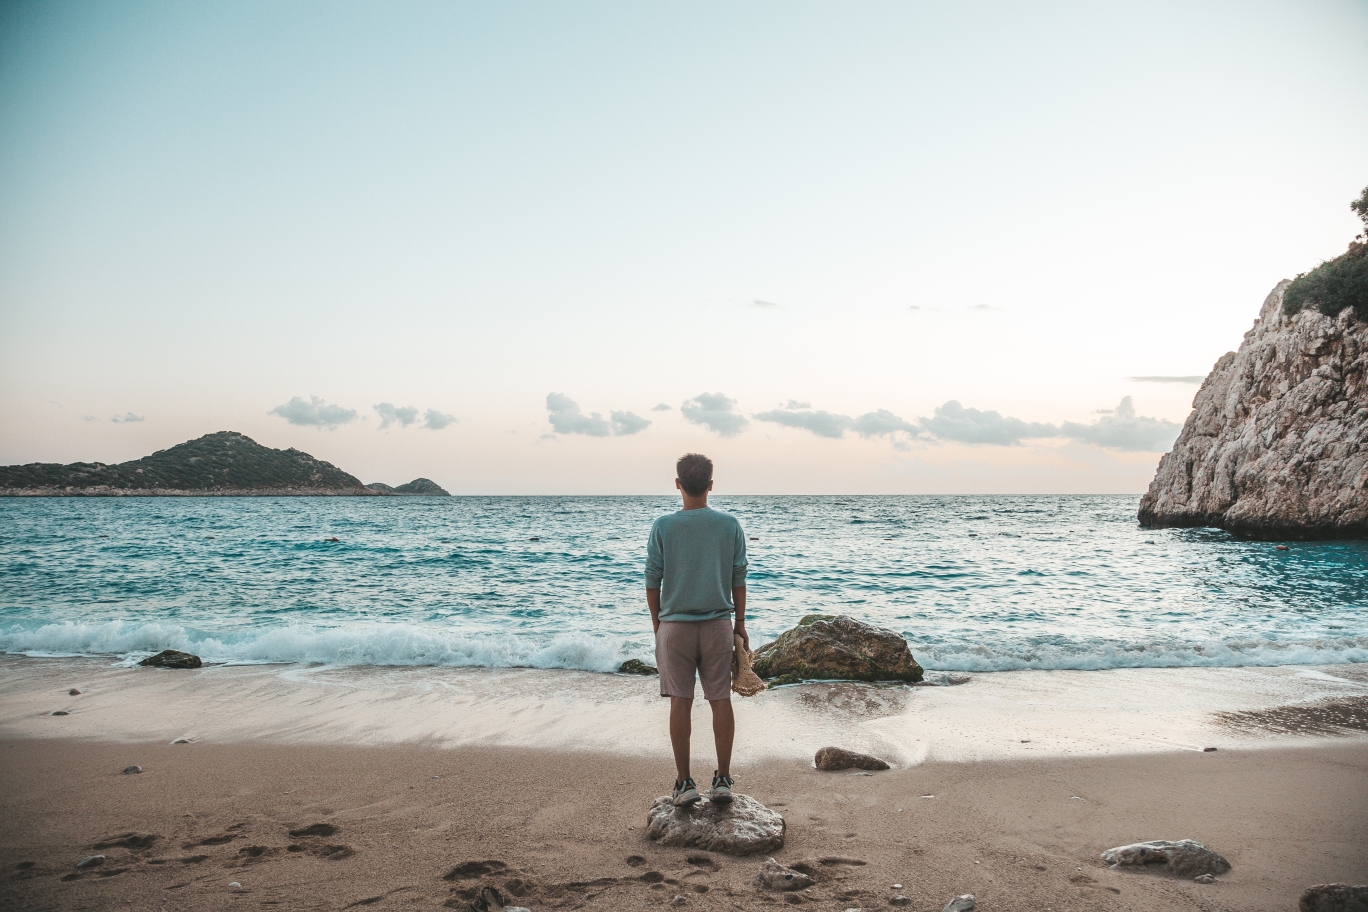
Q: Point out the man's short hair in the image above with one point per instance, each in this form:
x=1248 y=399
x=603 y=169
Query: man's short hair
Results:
x=694 y=471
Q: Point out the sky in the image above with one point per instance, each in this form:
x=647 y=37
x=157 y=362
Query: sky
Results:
x=525 y=248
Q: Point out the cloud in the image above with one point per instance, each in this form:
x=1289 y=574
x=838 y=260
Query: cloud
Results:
x=715 y=412
x=1193 y=379
x=628 y=423
x=984 y=307
x=89 y=418
x=403 y=416
x=566 y=418
x=823 y=424
x=875 y=424
x=127 y=418
x=434 y=420
x=795 y=404
x=1125 y=430
x=954 y=422
x=314 y=413
x=661 y=408
x=763 y=304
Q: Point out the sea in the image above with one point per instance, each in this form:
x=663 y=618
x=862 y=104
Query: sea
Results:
x=974 y=583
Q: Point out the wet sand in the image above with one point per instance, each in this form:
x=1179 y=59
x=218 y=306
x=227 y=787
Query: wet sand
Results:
x=404 y=780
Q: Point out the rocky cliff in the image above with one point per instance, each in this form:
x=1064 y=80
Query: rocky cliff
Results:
x=1277 y=443
x=226 y=463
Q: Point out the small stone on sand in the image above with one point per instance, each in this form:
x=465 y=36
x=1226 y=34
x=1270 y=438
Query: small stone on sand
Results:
x=960 y=903
x=91 y=861
x=74 y=692
x=1207 y=750
x=897 y=899
x=774 y=876
x=235 y=886
x=837 y=758
x=1184 y=857
x=130 y=770
x=1205 y=879
x=181 y=741
x=61 y=712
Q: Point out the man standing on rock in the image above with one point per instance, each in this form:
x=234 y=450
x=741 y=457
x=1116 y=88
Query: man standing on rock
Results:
x=695 y=581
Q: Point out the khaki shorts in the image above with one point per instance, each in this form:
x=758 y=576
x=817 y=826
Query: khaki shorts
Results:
x=684 y=648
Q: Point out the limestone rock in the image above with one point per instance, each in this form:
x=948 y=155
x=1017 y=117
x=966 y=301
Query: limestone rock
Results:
x=1335 y=897
x=744 y=827
x=1184 y=858
x=774 y=876
x=961 y=903
x=1277 y=442
x=171 y=658
x=836 y=758
x=636 y=667
x=823 y=647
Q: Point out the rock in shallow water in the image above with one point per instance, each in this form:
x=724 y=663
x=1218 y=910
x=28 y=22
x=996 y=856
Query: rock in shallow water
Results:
x=744 y=827
x=837 y=758
x=774 y=876
x=1334 y=897
x=826 y=648
x=172 y=658
x=1184 y=857
x=636 y=667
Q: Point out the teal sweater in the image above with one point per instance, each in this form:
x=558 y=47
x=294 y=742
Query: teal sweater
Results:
x=695 y=558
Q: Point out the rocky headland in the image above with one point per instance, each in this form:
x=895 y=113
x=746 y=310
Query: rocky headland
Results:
x=225 y=464
x=1276 y=446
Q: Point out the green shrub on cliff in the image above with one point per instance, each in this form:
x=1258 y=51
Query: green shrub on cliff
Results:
x=1339 y=283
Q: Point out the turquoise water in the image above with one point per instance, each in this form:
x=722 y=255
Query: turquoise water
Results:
x=974 y=583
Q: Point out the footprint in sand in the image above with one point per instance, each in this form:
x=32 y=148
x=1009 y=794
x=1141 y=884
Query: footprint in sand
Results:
x=314 y=829
x=635 y=861
x=473 y=869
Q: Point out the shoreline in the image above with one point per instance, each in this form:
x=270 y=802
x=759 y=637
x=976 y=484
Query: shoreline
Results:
x=999 y=715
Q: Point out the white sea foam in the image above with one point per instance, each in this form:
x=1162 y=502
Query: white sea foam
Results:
x=418 y=645
x=372 y=644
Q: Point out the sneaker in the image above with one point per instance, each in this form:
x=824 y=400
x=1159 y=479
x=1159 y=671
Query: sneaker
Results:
x=685 y=793
x=721 y=789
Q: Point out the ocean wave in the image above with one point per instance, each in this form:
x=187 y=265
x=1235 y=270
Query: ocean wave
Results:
x=400 y=644
x=372 y=644
x=1102 y=656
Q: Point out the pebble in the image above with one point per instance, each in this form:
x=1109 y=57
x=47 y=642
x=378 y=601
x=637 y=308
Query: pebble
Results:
x=960 y=903
x=61 y=712
x=181 y=741
x=74 y=692
x=90 y=861
x=235 y=886
x=1207 y=750
x=897 y=886
x=130 y=770
x=1205 y=879
x=678 y=901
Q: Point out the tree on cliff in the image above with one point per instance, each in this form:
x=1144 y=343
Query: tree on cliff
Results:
x=1339 y=283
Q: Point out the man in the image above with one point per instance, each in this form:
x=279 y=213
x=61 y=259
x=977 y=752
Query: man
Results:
x=695 y=580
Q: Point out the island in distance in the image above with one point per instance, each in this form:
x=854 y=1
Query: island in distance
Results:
x=226 y=464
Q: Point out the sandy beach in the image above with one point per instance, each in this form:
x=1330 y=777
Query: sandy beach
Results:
x=340 y=788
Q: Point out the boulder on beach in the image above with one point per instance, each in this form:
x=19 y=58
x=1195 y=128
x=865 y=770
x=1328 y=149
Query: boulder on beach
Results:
x=172 y=658
x=743 y=827
x=838 y=758
x=1183 y=858
x=1334 y=897
x=839 y=648
x=774 y=876
x=636 y=667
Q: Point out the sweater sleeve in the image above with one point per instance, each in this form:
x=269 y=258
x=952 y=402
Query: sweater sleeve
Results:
x=739 y=562
x=655 y=559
